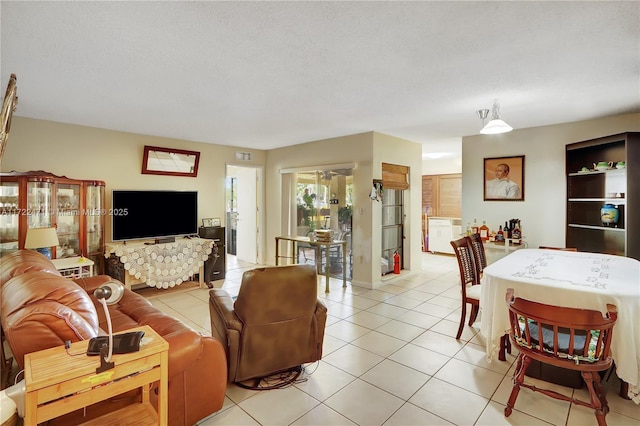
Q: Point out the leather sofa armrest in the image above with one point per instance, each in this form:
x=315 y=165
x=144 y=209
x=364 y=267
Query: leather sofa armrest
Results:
x=89 y=284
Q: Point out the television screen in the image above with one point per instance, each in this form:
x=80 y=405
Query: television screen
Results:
x=153 y=214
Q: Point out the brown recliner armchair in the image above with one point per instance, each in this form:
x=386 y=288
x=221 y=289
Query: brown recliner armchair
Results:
x=276 y=323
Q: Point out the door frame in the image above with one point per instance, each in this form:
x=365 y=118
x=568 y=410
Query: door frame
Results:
x=260 y=216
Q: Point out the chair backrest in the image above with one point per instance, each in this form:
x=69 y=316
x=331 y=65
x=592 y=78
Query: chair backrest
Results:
x=479 y=255
x=577 y=339
x=464 y=255
x=558 y=248
x=274 y=294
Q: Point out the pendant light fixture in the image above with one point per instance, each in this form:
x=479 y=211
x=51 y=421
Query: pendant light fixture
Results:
x=496 y=125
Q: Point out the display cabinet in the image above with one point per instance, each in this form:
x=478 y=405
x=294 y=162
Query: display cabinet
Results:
x=40 y=199
x=603 y=195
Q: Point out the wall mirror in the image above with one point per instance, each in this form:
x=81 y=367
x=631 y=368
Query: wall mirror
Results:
x=170 y=162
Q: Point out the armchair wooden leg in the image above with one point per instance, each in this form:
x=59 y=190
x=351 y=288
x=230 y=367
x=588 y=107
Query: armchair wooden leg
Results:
x=518 y=379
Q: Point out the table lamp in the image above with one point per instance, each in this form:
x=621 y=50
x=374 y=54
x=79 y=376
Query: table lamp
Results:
x=108 y=294
x=41 y=239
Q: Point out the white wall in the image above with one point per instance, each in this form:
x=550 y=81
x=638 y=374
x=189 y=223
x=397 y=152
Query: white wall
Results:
x=543 y=211
x=442 y=157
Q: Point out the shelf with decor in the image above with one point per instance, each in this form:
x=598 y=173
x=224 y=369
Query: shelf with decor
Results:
x=38 y=199
x=603 y=195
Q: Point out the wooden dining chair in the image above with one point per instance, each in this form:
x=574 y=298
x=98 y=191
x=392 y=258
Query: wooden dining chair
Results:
x=479 y=255
x=575 y=339
x=468 y=280
x=558 y=248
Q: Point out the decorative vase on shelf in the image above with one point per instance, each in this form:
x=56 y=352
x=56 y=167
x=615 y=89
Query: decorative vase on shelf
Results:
x=609 y=215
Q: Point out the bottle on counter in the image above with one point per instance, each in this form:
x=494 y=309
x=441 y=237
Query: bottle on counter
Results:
x=468 y=228
x=474 y=228
x=500 y=235
x=516 y=233
x=506 y=231
x=484 y=231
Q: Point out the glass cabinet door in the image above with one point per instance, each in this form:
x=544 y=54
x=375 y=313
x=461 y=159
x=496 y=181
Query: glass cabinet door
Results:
x=39 y=204
x=9 y=217
x=95 y=213
x=68 y=220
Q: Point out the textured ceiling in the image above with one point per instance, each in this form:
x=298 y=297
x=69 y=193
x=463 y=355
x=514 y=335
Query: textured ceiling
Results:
x=272 y=74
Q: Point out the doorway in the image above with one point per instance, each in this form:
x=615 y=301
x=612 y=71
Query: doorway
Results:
x=324 y=201
x=243 y=207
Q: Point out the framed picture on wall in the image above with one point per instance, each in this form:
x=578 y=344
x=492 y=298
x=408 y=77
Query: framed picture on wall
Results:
x=504 y=178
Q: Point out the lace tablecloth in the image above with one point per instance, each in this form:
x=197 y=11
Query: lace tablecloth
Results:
x=573 y=279
x=163 y=265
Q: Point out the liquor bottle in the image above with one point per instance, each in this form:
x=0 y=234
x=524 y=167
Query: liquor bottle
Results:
x=468 y=228
x=500 y=235
x=516 y=233
x=474 y=228
x=484 y=231
x=506 y=230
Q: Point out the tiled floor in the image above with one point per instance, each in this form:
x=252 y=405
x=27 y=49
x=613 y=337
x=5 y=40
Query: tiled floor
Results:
x=390 y=358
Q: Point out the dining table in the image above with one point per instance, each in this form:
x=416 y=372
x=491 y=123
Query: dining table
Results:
x=572 y=279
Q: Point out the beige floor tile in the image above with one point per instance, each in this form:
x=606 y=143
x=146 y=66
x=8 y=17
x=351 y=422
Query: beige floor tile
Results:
x=419 y=319
x=403 y=302
x=325 y=416
x=321 y=380
x=346 y=330
x=434 y=310
x=395 y=378
x=231 y=416
x=450 y=402
x=364 y=404
x=353 y=360
x=469 y=377
x=279 y=407
x=410 y=414
x=535 y=404
x=421 y=359
x=387 y=310
x=379 y=343
x=440 y=343
x=400 y=330
x=331 y=344
x=368 y=320
x=584 y=416
x=493 y=415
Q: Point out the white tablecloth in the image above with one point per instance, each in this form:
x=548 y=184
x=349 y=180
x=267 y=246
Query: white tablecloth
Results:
x=163 y=265
x=573 y=279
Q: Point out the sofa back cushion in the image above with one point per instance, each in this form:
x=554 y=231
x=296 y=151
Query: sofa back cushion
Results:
x=41 y=310
x=21 y=261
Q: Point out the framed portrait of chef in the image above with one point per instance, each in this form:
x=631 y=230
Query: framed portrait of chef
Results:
x=504 y=178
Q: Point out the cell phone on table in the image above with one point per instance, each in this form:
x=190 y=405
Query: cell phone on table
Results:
x=123 y=343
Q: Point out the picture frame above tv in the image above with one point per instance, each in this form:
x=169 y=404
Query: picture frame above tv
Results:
x=169 y=161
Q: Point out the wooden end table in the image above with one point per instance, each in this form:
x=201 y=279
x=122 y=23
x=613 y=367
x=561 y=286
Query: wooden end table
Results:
x=58 y=383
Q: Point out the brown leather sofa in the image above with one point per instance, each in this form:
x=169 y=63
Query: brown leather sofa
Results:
x=276 y=323
x=42 y=309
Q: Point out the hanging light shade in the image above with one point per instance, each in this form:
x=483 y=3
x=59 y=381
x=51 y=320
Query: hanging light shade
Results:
x=496 y=125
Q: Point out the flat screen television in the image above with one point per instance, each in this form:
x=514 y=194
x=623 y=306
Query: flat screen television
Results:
x=150 y=214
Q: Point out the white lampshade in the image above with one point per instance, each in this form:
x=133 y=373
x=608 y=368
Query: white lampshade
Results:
x=495 y=127
x=41 y=237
